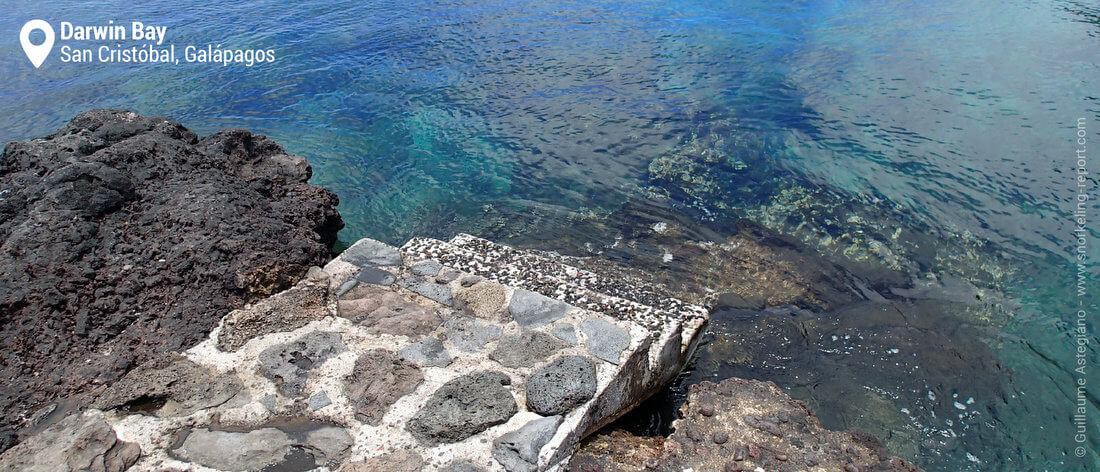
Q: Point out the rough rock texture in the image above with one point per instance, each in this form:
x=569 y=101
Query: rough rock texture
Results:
x=526 y=349
x=76 y=443
x=741 y=425
x=379 y=379
x=463 y=407
x=304 y=302
x=289 y=364
x=561 y=385
x=120 y=238
x=383 y=311
x=174 y=384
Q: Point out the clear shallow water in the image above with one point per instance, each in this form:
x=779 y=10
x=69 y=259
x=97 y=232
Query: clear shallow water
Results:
x=538 y=123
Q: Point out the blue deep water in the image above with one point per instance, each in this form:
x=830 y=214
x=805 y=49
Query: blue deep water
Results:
x=538 y=122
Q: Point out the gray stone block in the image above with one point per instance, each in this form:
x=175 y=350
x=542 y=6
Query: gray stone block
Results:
x=605 y=340
x=469 y=334
x=526 y=349
x=565 y=332
x=426 y=268
x=532 y=310
x=288 y=365
x=427 y=352
x=376 y=276
x=464 y=407
x=368 y=252
x=434 y=291
x=518 y=451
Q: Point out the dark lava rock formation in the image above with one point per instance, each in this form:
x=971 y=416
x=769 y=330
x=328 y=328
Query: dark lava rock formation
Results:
x=122 y=236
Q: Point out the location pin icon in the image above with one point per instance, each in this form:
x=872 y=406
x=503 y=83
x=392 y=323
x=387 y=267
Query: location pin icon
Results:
x=36 y=53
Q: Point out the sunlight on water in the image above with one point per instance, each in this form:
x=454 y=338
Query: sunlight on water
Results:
x=933 y=139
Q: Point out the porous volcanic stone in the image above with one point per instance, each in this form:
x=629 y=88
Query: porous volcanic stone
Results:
x=123 y=236
x=485 y=300
x=462 y=466
x=518 y=451
x=561 y=385
x=464 y=407
x=288 y=365
x=532 y=310
x=379 y=379
x=526 y=349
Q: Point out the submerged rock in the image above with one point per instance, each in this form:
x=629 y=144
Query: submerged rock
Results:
x=740 y=425
x=122 y=236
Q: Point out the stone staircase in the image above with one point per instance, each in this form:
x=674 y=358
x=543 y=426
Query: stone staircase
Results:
x=458 y=355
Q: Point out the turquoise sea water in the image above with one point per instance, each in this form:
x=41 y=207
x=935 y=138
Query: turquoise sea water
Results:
x=561 y=124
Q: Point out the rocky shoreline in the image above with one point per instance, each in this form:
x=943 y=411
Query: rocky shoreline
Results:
x=194 y=343
x=119 y=239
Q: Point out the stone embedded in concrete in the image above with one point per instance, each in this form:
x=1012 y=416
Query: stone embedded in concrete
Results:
x=532 y=310
x=180 y=384
x=328 y=443
x=526 y=349
x=462 y=466
x=79 y=442
x=235 y=451
x=368 y=252
x=380 y=310
x=375 y=276
x=405 y=460
x=426 y=268
x=464 y=407
x=605 y=340
x=447 y=276
x=305 y=302
x=319 y=400
x=346 y=287
x=485 y=300
x=518 y=451
x=379 y=379
x=288 y=365
x=430 y=290
x=565 y=332
x=470 y=334
x=560 y=386
x=427 y=352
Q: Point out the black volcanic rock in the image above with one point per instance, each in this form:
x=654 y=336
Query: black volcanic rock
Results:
x=122 y=236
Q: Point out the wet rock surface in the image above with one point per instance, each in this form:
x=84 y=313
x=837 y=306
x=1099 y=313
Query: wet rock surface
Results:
x=741 y=425
x=119 y=238
x=463 y=407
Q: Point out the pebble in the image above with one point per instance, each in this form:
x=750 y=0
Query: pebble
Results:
x=732 y=466
x=720 y=437
x=754 y=452
x=781 y=457
x=707 y=411
x=851 y=468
